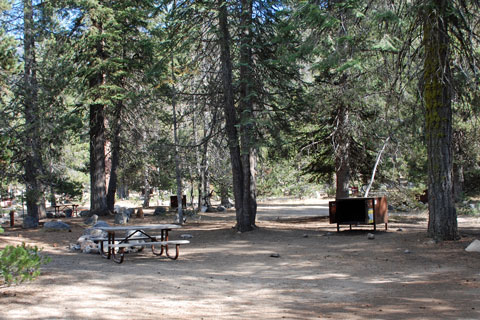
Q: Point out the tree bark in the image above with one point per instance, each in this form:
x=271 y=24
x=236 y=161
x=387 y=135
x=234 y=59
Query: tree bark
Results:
x=243 y=222
x=247 y=132
x=146 y=187
x=112 y=183
x=197 y=157
x=178 y=173
x=458 y=181
x=205 y=167
x=342 y=153
x=253 y=186
x=442 y=224
x=98 y=196
x=224 y=201
x=123 y=190
x=33 y=162
x=458 y=139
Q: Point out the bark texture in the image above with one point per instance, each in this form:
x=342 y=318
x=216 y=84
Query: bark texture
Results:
x=243 y=222
x=33 y=158
x=442 y=224
x=342 y=152
x=98 y=193
x=112 y=183
x=178 y=171
x=98 y=198
x=247 y=129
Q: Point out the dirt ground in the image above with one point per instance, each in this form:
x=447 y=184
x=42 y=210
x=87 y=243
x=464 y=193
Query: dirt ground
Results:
x=222 y=274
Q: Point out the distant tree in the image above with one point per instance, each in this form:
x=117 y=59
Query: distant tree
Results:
x=115 y=50
x=349 y=46
x=8 y=68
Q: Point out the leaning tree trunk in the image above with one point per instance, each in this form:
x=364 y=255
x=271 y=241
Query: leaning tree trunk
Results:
x=342 y=146
x=33 y=162
x=377 y=161
x=442 y=224
x=243 y=223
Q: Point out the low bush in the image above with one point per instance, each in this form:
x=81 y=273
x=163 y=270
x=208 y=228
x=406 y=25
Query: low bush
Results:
x=20 y=263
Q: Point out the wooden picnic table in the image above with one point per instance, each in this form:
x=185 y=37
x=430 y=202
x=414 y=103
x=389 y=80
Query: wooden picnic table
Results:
x=116 y=246
x=60 y=207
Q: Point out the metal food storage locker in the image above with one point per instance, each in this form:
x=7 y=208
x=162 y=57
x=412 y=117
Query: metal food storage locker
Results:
x=359 y=211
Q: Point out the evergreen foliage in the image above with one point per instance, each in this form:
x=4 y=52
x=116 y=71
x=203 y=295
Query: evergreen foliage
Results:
x=21 y=263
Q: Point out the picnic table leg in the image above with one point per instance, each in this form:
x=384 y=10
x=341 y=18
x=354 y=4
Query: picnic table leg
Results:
x=163 y=237
x=111 y=237
x=121 y=251
x=177 y=247
x=177 y=251
x=102 y=250
x=111 y=249
x=156 y=252
x=166 y=239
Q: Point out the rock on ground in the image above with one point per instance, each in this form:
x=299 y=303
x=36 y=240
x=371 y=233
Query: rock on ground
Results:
x=30 y=222
x=56 y=226
x=474 y=246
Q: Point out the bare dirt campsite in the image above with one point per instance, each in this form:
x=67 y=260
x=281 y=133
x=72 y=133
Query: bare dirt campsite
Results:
x=294 y=266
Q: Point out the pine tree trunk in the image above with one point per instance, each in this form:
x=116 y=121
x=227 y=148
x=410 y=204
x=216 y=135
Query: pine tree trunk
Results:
x=98 y=194
x=442 y=224
x=205 y=173
x=253 y=186
x=98 y=197
x=197 y=157
x=342 y=159
x=178 y=173
x=53 y=200
x=123 y=190
x=224 y=201
x=458 y=181
x=231 y=118
x=112 y=184
x=146 y=187
x=247 y=132
x=33 y=162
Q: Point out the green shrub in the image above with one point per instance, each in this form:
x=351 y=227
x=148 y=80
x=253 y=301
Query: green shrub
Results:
x=20 y=263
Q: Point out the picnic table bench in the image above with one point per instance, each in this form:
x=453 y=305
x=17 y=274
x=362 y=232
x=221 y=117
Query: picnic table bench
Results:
x=115 y=247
